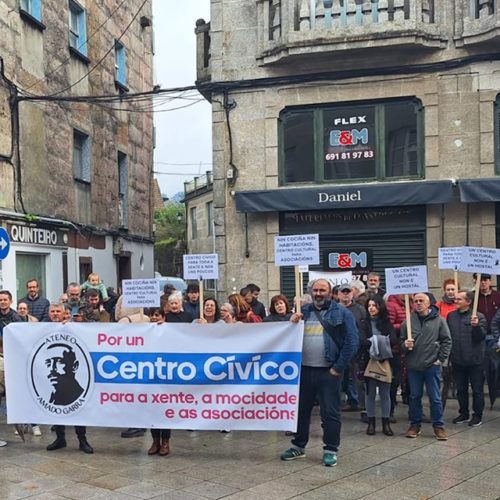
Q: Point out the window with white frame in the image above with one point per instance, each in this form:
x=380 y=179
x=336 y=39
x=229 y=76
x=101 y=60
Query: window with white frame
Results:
x=120 y=64
x=33 y=8
x=81 y=156
x=77 y=28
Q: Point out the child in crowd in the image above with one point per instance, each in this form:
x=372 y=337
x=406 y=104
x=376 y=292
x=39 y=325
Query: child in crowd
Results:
x=94 y=282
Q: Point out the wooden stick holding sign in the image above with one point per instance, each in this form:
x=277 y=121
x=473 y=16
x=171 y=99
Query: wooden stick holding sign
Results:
x=298 y=290
x=408 y=318
x=455 y=278
x=297 y=250
x=201 y=267
x=200 y=299
x=405 y=281
x=476 y=294
x=479 y=260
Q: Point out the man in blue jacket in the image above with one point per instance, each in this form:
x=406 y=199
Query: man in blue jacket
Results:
x=330 y=343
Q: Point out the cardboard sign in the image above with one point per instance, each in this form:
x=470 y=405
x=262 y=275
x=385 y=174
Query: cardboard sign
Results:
x=203 y=266
x=141 y=293
x=403 y=280
x=296 y=250
x=336 y=279
x=449 y=257
x=480 y=260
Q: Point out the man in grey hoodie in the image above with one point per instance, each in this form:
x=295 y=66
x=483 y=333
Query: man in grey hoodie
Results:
x=426 y=351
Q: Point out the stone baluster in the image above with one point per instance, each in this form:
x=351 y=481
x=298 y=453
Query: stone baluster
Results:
x=485 y=8
x=336 y=14
x=383 y=11
x=275 y=16
x=367 y=12
x=351 y=10
x=399 y=10
x=328 y=4
x=304 y=15
x=319 y=13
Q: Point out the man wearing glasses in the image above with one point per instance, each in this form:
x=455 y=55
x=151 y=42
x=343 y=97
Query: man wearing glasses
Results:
x=426 y=351
x=330 y=343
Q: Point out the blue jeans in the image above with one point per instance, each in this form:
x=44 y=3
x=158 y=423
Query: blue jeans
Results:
x=432 y=378
x=318 y=383
x=349 y=387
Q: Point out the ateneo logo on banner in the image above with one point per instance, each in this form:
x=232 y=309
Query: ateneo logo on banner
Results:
x=60 y=374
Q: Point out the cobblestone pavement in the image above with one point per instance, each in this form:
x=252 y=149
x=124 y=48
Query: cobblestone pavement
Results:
x=246 y=465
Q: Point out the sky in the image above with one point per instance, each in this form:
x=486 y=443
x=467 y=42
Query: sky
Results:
x=184 y=136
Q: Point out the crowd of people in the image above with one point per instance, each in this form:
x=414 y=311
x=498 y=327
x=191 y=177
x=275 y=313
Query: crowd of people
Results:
x=355 y=346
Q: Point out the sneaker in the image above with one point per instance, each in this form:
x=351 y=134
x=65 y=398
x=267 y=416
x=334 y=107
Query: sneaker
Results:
x=292 y=454
x=329 y=459
x=461 y=419
x=36 y=430
x=440 y=434
x=413 y=431
x=3 y=443
x=475 y=421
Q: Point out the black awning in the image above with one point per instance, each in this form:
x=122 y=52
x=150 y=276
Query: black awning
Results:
x=479 y=190
x=345 y=196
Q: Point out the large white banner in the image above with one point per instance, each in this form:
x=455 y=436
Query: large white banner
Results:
x=182 y=376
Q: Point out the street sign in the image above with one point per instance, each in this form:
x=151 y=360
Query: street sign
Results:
x=4 y=243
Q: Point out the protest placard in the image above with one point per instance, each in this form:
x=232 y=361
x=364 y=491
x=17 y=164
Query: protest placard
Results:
x=141 y=293
x=406 y=280
x=449 y=257
x=336 y=279
x=201 y=266
x=480 y=260
x=296 y=250
x=174 y=376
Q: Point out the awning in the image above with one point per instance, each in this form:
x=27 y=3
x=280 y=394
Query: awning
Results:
x=345 y=196
x=479 y=190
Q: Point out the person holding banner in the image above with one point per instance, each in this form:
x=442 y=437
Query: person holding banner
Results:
x=426 y=351
x=175 y=313
x=227 y=313
x=211 y=312
x=330 y=343
x=161 y=437
x=279 y=310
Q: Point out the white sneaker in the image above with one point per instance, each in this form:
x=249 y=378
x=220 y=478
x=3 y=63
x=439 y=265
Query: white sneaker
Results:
x=3 y=443
x=36 y=430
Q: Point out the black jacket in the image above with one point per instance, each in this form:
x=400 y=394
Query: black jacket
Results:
x=468 y=342
x=258 y=308
x=6 y=319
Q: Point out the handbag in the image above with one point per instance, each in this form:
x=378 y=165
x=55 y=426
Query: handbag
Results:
x=379 y=370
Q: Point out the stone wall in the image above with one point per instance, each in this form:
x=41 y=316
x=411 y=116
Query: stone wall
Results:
x=39 y=60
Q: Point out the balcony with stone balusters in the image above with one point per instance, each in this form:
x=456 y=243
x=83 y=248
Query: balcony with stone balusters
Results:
x=294 y=27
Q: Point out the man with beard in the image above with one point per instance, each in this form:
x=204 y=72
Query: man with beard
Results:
x=38 y=306
x=330 y=343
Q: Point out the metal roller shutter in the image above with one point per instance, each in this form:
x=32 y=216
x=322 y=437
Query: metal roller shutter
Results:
x=389 y=250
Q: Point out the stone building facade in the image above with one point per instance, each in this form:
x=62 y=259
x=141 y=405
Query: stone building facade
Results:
x=372 y=123
x=78 y=172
